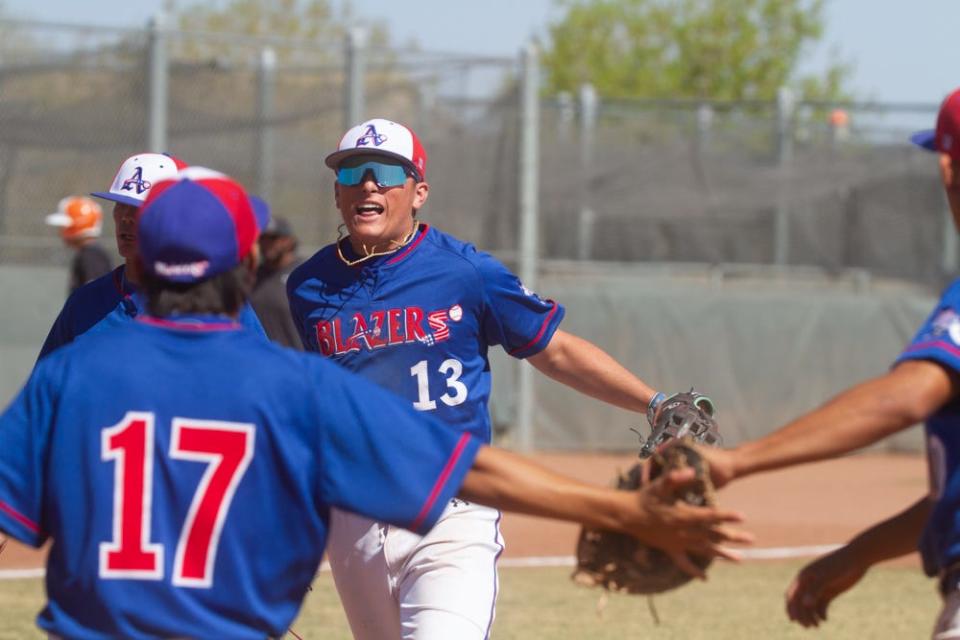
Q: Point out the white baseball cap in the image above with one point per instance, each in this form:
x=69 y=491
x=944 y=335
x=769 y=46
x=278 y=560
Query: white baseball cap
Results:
x=137 y=174
x=381 y=137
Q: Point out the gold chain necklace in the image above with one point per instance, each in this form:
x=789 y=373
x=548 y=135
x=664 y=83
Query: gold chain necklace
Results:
x=373 y=254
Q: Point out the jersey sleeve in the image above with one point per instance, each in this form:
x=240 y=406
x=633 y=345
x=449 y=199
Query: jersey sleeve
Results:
x=83 y=309
x=515 y=317
x=24 y=428
x=293 y=300
x=61 y=332
x=938 y=339
x=381 y=458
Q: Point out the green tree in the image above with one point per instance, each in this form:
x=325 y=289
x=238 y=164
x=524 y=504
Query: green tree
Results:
x=13 y=41
x=315 y=31
x=708 y=49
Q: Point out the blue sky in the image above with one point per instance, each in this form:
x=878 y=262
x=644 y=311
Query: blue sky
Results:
x=901 y=51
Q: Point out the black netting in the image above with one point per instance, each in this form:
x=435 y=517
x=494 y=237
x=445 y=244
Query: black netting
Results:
x=660 y=181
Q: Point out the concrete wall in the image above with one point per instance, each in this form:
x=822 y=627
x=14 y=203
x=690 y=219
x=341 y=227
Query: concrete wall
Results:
x=764 y=350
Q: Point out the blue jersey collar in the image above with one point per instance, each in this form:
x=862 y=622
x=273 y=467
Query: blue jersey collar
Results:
x=191 y=322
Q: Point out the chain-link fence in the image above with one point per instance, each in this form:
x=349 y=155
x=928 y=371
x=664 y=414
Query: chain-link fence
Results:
x=783 y=183
x=837 y=187
x=265 y=110
x=761 y=197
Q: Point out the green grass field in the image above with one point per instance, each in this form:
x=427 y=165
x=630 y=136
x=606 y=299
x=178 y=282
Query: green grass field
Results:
x=737 y=603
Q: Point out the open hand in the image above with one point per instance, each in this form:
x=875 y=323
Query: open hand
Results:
x=678 y=528
x=818 y=583
x=721 y=464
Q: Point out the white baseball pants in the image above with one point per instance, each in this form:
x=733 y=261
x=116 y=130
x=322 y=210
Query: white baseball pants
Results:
x=396 y=584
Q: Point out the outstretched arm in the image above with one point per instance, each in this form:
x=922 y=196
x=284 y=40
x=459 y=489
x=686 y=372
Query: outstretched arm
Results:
x=818 y=583
x=511 y=482
x=589 y=369
x=860 y=416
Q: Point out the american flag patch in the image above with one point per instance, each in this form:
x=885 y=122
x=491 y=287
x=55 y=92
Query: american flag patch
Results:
x=438 y=322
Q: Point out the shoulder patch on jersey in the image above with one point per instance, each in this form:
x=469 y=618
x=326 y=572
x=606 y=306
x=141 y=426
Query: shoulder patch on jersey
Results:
x=530 y=294
x=946 y=322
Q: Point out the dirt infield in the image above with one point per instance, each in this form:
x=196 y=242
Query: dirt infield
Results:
x=816 y=504
x=821 y=503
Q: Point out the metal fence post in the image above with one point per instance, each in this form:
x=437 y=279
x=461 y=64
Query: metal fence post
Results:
x=158 y=70
x=529 y=187
x=266 y=75
x=705 y=115
x=426 y=103
x=588 y=126
x=786 y=107
x=355 y=66
x=781 y=220
x=565 y=115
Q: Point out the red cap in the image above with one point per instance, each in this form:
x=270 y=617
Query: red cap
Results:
x=946 y=137
x=195 y=225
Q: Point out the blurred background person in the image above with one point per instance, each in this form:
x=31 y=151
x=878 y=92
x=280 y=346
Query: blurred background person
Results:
x=80 y=220
x=278 y=257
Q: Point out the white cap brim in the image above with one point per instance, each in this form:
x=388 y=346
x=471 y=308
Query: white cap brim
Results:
x=58 y=220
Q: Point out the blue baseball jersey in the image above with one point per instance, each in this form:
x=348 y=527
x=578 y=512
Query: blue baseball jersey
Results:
x=187 y=487
x=420 y=321
x=108 y=300
x=938 y=340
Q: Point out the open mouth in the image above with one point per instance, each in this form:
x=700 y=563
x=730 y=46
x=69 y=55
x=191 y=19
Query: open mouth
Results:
x=368 y=209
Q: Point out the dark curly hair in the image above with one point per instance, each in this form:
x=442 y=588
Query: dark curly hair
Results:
x=224 y=293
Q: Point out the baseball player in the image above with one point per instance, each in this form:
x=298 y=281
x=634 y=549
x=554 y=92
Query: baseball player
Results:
x=80 y=220
x=187 y=488
x=278 y=257
x=920 y=387
x=415 y=310
x=113 y=297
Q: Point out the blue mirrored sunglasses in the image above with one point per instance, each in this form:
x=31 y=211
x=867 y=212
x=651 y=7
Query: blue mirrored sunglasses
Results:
x=385 y=175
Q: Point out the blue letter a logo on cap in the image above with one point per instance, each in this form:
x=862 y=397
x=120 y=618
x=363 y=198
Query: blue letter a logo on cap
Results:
x=371 y=135
x=136 y=182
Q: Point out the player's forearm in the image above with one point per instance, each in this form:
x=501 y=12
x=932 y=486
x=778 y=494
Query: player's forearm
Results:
x=511 y=482
x=856 y=418
x=892 y=538
x=590 y=370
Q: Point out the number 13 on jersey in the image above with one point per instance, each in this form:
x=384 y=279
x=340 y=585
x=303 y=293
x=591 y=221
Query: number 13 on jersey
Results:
x=225 y=447
x=451 y=370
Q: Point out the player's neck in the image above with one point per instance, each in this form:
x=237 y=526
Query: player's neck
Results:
x=131 y=272
x=365 y=250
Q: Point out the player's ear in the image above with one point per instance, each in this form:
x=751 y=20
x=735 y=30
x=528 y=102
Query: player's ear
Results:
x=336 y=194
x=420 y=193
x=252 y=260
x=948 y=172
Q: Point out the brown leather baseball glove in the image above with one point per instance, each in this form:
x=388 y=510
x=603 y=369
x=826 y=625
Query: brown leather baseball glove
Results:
x=618 y=562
